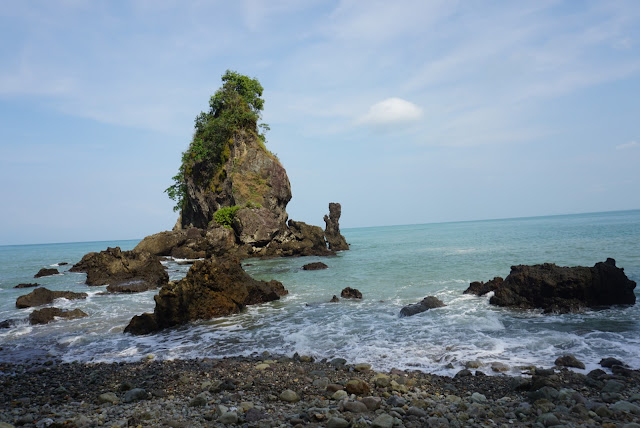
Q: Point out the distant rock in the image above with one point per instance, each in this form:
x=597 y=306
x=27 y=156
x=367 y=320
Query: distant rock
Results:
x=7 y=323
x=29 y=285
x=46 y=315
x=299 y=239
x=114 y=267
x=46 y=272
x=62 y=263
x=212 y=288
x=315 y=266
x=565 y=289
x=131 y=287
x=43 y=296
x=480 y=288
x=336 y=241
x=351 y=293
x=334 y=299
x=429 y=302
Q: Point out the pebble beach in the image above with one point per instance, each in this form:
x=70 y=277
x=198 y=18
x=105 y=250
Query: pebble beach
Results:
x=265 y=390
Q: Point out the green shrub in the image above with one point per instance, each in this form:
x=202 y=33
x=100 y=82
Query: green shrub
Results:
x=224 y=216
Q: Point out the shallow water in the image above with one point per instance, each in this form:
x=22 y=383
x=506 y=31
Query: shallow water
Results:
x=392 y=267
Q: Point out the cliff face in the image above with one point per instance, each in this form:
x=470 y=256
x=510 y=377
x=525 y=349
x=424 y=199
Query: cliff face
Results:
x=251 y=176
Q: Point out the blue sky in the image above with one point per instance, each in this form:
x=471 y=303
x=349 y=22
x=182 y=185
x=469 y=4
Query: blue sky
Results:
x=404 y=112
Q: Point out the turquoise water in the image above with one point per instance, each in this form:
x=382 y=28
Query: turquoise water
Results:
x=392 y=267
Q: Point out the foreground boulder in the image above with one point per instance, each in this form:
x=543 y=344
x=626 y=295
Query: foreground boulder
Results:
x=43 y=296
x=114 y=266
x=332 y=230
x=46 y=272
x=46 y=315
x=211 y=289
x=565 y=289
x=429 y=302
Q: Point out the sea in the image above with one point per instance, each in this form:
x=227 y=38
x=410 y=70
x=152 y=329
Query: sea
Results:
x=392 y=266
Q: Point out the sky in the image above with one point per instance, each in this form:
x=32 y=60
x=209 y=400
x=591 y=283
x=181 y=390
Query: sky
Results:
x=405 y=112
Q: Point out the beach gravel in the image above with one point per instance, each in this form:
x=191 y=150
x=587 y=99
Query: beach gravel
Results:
x=292 y=392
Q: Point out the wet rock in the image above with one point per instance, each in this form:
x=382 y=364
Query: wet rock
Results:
x=480 y=288
x=28 y=285
x=610 y=362
x=334 y=299
x=7 y=324
x=336 y=241
x=565 y=289
x=43 y=296
x=335 y=422
x=315 y=266
x=351 y=293
x=46 y=315
x=569 y=361
x=46 y=272
x=357 y=386
x=429 y=302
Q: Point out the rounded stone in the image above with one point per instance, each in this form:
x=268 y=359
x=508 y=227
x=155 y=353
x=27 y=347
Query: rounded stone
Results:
x=336 y=422
x=289 y=396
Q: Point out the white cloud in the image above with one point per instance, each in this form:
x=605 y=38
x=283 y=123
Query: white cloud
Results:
x=629 y=145
x=392 y=110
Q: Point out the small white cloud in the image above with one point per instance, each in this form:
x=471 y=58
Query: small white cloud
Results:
x=392 y=110
x=629 y=145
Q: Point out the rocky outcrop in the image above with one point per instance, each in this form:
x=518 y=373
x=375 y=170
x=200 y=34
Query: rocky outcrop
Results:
x=332 y=230
x=256 y=226
x=131 y=287
x=46 y=272
x=480 y=288
x=315 y=266
x=46 y=315
x=43 y=296
x=192 y=243
x=211 y=289
x=251 y=175
x=429 y=302
x=351 y=293
x=114 y=266
x=565 y=289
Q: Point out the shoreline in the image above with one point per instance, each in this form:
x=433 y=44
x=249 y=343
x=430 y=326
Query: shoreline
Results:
x=272 y=391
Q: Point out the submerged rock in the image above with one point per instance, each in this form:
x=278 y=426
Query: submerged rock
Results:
x=46 y=272
x=46 y=315
x=315 y=266
x=30 y=285
x=211 y=289
x=565 y=289
x=429 y=302
x=332 y=230
x=114 y=266
x=43 y=296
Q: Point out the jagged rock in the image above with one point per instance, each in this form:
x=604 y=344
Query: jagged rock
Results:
x=30 y=285
x=565 y=289
x=46 y=315
x=131 y=287
x=46 y=272
x=332 y=229
x=256 y=226
x=187 y=253
x=334 y=299
x=427 y=303
x=161 y=244
x=315 y=266
x=480 y=288
x=251 y=175
x=114 y=267
x=211 y=289
x=43 y=296
x=351 y=293
x=299 y=239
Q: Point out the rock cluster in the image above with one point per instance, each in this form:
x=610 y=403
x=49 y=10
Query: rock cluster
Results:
x=561 y=289
x=212 y=288
x=115 y=267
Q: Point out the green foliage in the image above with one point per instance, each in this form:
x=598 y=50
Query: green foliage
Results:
x=235 y=107
x=224 y=216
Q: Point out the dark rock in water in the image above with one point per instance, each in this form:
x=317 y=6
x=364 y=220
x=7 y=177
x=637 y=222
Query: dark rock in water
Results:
x=351 y=293
x=332 y=230
x=334 y=299
x=429 y=302
x=29 y=285
x=211 y=289
x=569 y=361
x=7 y=323
x=114 y=266
x=46 y=272
x=43 y=296
x=565 y=289
x=610 y=362
x=315 y=266
x=46 y=315
x=480 y=288
x=62 y=263
x=299 y=239
x=131 y=287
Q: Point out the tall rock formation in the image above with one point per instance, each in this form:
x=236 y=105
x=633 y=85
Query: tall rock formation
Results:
x=332 y=230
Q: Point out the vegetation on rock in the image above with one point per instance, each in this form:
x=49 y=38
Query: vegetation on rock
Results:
x=224 y=216
x=235 y=108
